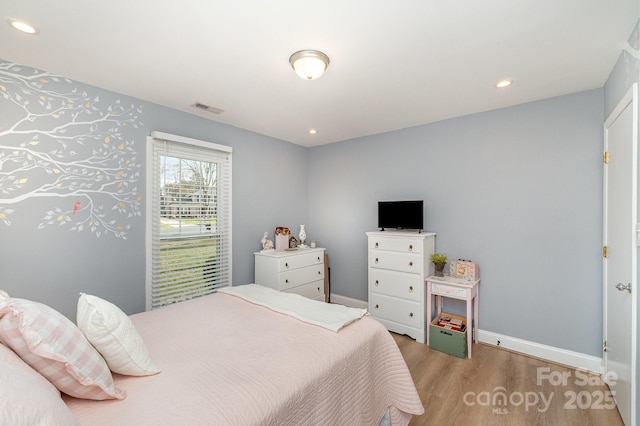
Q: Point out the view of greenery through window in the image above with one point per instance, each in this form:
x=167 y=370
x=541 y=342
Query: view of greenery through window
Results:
x=188 y=228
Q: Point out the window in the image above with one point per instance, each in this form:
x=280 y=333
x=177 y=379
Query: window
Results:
x=188 y=218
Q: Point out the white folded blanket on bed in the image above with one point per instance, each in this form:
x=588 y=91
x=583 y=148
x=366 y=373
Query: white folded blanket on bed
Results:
x=329 y=316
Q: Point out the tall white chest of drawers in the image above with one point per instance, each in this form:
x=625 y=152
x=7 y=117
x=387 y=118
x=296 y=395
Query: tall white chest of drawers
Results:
x=300 y=271
x=399 y=262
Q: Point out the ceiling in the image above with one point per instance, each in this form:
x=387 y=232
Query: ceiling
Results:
x=394 y=63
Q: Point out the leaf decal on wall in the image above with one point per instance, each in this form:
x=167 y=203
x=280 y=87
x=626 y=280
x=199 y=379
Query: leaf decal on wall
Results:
x=59 y=151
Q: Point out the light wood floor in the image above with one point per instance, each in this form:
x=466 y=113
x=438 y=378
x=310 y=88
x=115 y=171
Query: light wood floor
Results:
x=445 y=382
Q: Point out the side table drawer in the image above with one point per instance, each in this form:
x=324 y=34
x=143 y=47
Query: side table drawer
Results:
x=398 y=284
x=448 y=290
x=397 y=310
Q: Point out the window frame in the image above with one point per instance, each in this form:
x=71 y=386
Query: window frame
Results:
x=156 y=142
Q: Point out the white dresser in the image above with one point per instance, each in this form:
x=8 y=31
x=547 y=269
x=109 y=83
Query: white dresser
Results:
x=398 y=265
x=300 y=271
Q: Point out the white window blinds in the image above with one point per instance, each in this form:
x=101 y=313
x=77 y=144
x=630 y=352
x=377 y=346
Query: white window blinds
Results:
x=189 y=218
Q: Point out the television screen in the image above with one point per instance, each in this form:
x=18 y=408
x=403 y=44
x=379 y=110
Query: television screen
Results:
x=400 y=215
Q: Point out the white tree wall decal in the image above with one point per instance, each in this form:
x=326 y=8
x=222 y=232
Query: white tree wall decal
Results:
x=62 y=144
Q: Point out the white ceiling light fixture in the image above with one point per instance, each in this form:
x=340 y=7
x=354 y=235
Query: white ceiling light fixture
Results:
x=22 y=26
x=504 y=83
x=309 y=64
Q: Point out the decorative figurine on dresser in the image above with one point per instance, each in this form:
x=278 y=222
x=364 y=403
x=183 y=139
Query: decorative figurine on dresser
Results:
x=399 y=262
x=267 y=244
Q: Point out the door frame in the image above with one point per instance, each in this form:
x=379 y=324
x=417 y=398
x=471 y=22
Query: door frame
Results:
x=630 y=98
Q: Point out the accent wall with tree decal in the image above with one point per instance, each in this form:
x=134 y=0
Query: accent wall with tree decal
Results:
x=68 y=147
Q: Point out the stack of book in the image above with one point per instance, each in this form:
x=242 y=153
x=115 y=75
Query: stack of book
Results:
x=450 y=323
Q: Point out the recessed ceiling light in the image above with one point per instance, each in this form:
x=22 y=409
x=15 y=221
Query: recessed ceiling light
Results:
x=313 y=131
x=22 y=26
x=503 y=83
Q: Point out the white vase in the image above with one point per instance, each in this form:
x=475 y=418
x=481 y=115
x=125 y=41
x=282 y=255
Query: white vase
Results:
x=302 y=235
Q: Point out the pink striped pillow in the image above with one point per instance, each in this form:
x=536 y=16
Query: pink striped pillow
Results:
x=56 y=348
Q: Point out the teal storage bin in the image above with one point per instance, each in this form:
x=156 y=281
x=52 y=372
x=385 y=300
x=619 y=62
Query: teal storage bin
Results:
x=448 y=341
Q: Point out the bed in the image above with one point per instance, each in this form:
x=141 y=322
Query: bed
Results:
x=224 y=360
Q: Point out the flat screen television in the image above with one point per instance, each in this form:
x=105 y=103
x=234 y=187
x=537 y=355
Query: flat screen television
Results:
x=394 y=215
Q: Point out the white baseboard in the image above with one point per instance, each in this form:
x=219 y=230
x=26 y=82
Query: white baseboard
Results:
x=348 y=301
x=537 y=350
x=549 y=353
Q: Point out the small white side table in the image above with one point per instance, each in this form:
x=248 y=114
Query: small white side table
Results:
x=455 y=288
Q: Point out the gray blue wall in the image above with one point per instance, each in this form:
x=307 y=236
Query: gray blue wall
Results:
x=53 y=264
x=518 y=190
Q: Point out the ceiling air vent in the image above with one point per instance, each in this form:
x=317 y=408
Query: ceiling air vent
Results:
x=212 y=110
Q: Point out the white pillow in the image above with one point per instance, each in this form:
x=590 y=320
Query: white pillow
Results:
x=113 y=334
x=26 y=397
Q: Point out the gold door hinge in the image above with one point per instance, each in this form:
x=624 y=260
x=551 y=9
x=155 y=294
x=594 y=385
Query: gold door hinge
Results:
x=606 y=157
x=604 y=346
x=605 y=251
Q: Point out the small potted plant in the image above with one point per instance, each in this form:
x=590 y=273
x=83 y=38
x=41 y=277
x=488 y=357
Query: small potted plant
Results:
x=439 y=260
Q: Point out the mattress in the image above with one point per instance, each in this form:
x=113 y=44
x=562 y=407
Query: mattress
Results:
x=226 y=361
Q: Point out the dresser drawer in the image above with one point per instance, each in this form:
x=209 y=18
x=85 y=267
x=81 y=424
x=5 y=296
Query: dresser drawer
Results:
x=391 y=283
x=300 y=276
x=301 y=261
x=313 y=290
x=403 y=262
x=402 y=245
x=401 y=311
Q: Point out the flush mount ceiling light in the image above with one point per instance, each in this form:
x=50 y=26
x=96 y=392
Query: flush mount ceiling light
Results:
x=503 y=83
x=309 y=64
x=22 y=26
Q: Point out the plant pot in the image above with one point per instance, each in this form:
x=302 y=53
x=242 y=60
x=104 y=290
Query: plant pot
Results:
x=439 y=269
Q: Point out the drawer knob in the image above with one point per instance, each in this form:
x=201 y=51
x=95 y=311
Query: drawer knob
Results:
x=286 y=265
x=318 y=258
x=410 y=247
x=319 y=272
x=410 y=314
x=376 y=306
x=318 y=289
x=376 y=245
x=286 y=281
x=376 y=260
x=410 y=289
x=410 y=263
x=377 y=282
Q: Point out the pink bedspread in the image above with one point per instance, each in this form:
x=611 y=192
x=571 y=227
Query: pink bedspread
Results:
x=225 y=361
